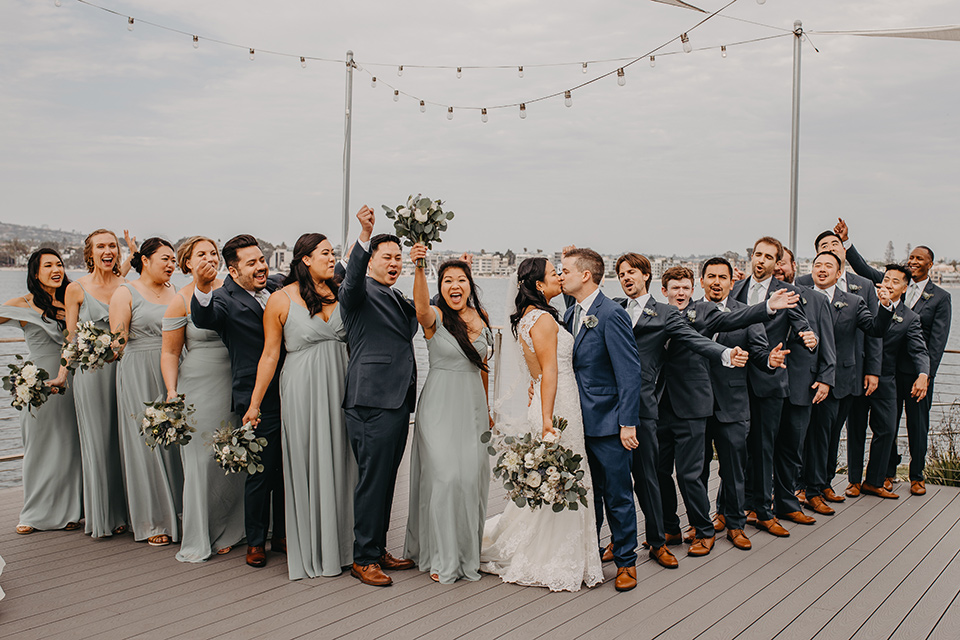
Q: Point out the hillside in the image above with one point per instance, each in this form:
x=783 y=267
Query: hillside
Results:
x=35 y=235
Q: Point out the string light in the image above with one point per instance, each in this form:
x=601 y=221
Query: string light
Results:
x=584 y=68
x=483 y=116
x=196 y=42
x=520 y=71
x=653 y=61
x=523 y=111
x=129 y=24
x=252 y=54
x=400 y=70
x=723 y=51
x=56 y=3
x=449 y=113
x=687 y=47
x=396 y=95
x=567 y=99
x=423 y=107
x=621 y=78
x=459 y=71
x=373 y=82
x=303 y=62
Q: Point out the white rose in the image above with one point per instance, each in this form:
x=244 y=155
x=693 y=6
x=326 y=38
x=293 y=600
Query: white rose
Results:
x=533 y=480
x=550 y=437
x=104 y=339
x=23 y=395
x=403 y=212
x=529 y=461
x=421 y=216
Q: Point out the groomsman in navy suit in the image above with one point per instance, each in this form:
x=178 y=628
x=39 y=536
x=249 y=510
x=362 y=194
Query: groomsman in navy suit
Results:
x=607 y=367
x=851 y=319
x=935 y=308
x=767 y=393
x=852 y=408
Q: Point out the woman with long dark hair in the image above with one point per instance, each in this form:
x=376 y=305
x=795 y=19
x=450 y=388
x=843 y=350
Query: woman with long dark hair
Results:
x=153 y=477
x=95 y=392
x=319 y=469
x=449 y=466
x=52 y=476
x=212 y=501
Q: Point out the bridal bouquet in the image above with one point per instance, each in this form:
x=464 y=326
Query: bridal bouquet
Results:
x=419 y=220
x=93 y=348
x=237 y=450
x=27 y=384
x=538 y=472
x=165 y=423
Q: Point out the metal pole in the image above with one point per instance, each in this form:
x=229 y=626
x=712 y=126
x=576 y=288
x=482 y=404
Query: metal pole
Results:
x=795 y=135
x=347 y=129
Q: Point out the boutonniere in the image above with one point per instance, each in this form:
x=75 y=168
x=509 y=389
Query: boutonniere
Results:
x=853 y=287
x=926 y=296
x=897 y=318
x=647 y=311
x=692 y=315
x=840 y=304
x=803 y=300
x=590 y=322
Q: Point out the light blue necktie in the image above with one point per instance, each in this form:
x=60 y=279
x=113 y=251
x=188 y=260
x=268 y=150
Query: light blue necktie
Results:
x=576 y=320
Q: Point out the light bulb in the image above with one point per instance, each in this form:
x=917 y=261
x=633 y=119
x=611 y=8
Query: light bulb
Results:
x=449 y=113
x=723 y=51
x=621 y=78
x=567 y=99
x=396 y=95
x=423 y=107
x=523 y=111
x=483 y=116
x=129 y=24
x=56 y=3
x=303 y=62
x=400 y=70
x=252 y=54
x=653 y=61
x=459 y=72
x=196 y=42
x=584 y=68
x=520 y=71
x=373 y=82
x=687 y=47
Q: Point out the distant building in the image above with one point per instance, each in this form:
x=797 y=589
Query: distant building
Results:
x=281 y=259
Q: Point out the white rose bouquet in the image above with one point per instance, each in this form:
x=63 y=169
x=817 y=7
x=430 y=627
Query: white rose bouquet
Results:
x=538 y=472
x=165 y=423
x=419 y=220
x=237 y=450
x=93 y=348
x=27 y=384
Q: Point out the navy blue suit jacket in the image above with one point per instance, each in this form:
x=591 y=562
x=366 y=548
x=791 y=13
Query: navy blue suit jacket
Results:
x=904 y=351
x=731 y=400
x=805 y=366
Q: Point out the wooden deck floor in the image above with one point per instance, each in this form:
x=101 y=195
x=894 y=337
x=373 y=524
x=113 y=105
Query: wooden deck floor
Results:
x=877 y=569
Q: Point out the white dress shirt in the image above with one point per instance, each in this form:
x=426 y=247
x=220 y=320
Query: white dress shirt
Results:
x=914 y=291
x=205 y=298
x=585 y=309
x=636 y=306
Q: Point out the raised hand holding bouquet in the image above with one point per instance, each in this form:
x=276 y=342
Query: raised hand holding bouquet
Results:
x=165 y=423
x=419 y=220
x=539 y=471
x=93 y=348
x=237 y=450
x=28 y=384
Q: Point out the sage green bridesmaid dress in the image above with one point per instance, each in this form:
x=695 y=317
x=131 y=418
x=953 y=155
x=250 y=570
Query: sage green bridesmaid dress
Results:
x=449 y=466
x=319 y=469
x=52 y=475
x=153 y=478
x=212 y=500
x=95 y=396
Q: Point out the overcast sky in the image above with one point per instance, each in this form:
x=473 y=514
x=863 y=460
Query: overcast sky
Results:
x=105 y=127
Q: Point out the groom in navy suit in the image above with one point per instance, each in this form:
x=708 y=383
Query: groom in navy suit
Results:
x=607 y=367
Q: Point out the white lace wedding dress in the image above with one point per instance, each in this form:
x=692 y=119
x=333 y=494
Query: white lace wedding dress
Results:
x=540 y=547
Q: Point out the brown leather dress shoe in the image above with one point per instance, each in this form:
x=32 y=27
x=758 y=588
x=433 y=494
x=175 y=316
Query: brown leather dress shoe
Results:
x=278 y=545
x=816 y=503
x=701 y=546
x=719 y=522
x=852 y=490
x=888 y=484
x=739 y=539
x=917 y=488
x=752 y=518
x=396 y=564
x=256 y=557
x=689 y=535
x=664 y=558
x=773 y=527
x=797 y=516
x=370 y=574
x=673 y=539
x=626 y=578
x=880 y=492
x=801 y=494
x=607 y=555
x=830 y=496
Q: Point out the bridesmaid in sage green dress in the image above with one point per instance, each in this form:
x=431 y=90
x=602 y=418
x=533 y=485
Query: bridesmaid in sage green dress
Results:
x=449 y=467
x=95 y=392
x=212 y=500
x=319 y=469
x=52 y=478
x=153 y=478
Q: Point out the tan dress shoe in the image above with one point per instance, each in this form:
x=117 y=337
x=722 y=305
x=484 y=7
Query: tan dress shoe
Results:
x=888 y=484
x=719 y=522
x=626 y=578
x=256 y=557
x=816 y=503
x=607 y=555
x=278 y=545
x=852 y=490
x=370 y=574
x=739 y=539
x=664 y=558
x=917 y=488
x=880 y=492
x=773 y=527
x=673 y=539
x=797 y=516
x=396 y=564
x=689 y=535
x=801 y=494
x=752 y=518
x=700 y=546
x=830 y=496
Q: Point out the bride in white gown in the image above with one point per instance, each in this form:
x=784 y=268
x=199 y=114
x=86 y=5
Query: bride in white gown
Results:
x=540 y=547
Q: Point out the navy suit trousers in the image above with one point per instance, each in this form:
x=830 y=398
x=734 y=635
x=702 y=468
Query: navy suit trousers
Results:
x=918 y=427
x=610 y=465
x=788 y=447
x=819 y=454
x=645 y=482
x=681 y=446
x=758 y=478
x=265 y=489
x=730 y=440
